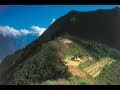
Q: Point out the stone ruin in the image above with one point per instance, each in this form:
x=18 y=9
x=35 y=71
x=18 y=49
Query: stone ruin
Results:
x=85 y=58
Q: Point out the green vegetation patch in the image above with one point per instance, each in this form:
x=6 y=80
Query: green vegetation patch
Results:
x=76 y=80
x=110 y=74
x=44 y=65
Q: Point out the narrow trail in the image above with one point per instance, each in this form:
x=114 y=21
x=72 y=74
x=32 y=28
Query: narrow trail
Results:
x=76 y=72
x=72 y=67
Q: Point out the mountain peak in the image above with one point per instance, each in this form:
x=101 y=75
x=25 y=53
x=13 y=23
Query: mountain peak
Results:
x=75 y=36
x=73 y=12
x=116 y=8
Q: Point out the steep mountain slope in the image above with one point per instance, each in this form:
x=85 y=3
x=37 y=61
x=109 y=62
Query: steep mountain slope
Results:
x=100 y=25
x=49 y=63
x=77 y=34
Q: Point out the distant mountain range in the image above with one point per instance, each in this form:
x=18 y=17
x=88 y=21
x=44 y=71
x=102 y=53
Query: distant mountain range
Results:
x=51 y=59
x=9 y=45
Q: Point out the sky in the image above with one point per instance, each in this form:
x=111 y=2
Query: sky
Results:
x=22 y=24
x=21 y=20
x=25 y=16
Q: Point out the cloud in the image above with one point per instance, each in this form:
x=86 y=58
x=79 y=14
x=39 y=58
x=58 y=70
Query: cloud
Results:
x=53 y=20
x=12 y=32
x=8 y=31
x=12 y=39
x=25 y=32
x=38 y=30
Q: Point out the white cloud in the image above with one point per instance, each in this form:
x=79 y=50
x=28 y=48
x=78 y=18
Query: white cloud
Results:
x=10 y=31
x=25 y=32
x=38 y=30
x=53 y=20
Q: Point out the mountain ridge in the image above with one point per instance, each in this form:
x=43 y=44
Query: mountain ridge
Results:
x=109 y=26
x=43 y=55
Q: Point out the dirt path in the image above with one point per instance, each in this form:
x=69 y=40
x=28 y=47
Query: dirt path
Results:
x=93 y=70
x=77 y=72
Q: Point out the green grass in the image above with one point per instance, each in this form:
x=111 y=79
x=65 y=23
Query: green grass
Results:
x=110 y=74
x=73 y=50
x=75 y=80
x=96 y=49
x=46 y=64
x=56 y=82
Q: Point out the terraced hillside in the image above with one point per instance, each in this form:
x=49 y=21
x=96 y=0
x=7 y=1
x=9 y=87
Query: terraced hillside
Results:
x=66 y=60
x=93 y=70
x=101 y=56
